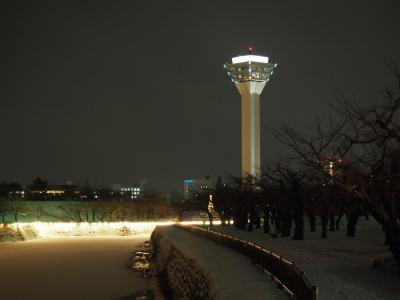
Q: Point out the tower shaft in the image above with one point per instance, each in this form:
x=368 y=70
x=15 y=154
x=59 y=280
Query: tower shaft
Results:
x=250 y=92
x=250 y=73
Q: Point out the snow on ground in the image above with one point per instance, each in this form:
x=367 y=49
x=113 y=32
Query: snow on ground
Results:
x=70 y=268
x=339 y=266
x=232 y=274
x=67 y=229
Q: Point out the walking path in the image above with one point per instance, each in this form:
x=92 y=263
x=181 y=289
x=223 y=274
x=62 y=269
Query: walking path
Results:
x=234 y=276
x=339 y=266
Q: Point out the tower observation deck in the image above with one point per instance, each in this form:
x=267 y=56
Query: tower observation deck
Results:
x=250 y=73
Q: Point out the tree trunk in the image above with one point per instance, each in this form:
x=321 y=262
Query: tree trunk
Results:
x=222 y=217
x=228 y=219
x=250 y=226
x=351 y=223
x=257 y=221
x=391 y=228
x=311 y=217
x=286 y=225
x=324 y=221
x=338 y=221
x=266 y=221
x=241 y=220
x=278 y=226
x=387 y=236
x=392 y=232
x=253 y=220
x=210 y=218
x=298 y=226
x=332 y=222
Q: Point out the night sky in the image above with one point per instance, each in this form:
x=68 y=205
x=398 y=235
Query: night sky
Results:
x=116 y=91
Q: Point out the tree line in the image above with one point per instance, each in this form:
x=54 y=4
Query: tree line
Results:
x=41 y=190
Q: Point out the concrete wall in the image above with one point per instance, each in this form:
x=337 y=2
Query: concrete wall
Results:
x=178 y=276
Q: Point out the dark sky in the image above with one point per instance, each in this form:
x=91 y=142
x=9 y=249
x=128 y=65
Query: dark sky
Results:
x=116 y=91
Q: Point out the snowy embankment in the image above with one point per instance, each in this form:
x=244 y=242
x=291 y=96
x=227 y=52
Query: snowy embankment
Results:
x=191 y=267
x=9 y=233
x=340 y=266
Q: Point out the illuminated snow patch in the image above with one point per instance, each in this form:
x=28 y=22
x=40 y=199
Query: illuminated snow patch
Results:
x=60 y=229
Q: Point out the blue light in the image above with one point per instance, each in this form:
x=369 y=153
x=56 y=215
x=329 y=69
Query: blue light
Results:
x=188 y=180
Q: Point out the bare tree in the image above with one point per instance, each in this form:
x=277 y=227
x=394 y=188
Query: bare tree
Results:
x=375 y=136
x=290 y=182
x=319 y=154
x=365 y=147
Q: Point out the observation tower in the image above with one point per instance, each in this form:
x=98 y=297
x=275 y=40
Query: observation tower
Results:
x=250 y=73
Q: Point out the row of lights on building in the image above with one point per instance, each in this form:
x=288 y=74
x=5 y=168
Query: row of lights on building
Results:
x=129 y=189
x=133 y=191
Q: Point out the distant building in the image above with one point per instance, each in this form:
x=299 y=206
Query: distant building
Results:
x=116 y=187
x=55 y=190
x=20 y=192
x=51 y=191
x=134 y=191
x=191 y=187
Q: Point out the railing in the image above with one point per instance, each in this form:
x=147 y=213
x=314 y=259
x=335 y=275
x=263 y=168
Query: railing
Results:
x=286 y=273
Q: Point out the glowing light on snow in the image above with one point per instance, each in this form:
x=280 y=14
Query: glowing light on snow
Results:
x=60 y=229
x=215 y=222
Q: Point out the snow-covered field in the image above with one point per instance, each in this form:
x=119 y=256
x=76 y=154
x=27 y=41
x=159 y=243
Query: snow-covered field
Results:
x=70 y=268
x=339 y=266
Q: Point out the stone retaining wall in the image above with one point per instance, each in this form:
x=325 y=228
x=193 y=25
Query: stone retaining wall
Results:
x=178 y=276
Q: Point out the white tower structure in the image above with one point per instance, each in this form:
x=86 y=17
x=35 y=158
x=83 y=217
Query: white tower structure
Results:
x=250 y=73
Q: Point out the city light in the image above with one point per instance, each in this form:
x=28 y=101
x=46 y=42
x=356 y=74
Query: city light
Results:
x=245 y=58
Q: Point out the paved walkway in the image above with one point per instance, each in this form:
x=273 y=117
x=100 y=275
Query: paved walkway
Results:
x=339 y=266
x=234 y=275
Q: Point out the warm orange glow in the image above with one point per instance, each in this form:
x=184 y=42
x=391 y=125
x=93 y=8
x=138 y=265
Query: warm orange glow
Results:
x=63 y=229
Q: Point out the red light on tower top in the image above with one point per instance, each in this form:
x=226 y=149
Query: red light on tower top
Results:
x=250 y=50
